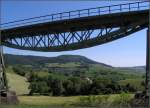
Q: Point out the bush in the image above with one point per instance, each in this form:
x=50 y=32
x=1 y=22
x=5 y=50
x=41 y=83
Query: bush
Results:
x=93 y=100
x=19 y=70
x=122 y=99
x=40 y=87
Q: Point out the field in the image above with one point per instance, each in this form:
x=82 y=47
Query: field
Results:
x=44 y=102
x=20 y=85
x=134 y=82
x=70 y=102
x=17 y=83
x=47 y=100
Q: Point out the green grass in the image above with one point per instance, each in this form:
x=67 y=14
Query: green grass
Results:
x=68 y=102
x=59 y=101
x=47 y=100
x=17 y=83
x=35 y=106
x=134 y=82
x=70 y=64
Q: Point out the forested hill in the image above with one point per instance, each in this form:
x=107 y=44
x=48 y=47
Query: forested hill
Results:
x=38 y=60
x=61 y=61
x=135 y=69
x=71 y=71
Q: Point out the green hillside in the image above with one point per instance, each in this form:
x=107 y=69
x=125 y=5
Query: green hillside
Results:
x=133 y=82
x=39 y=60
x=17 y=83
x=20 y=68
x=65 y=64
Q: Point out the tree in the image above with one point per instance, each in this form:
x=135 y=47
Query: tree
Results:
x=19 y=70
x=33 y=88
x=39 y=87
x=130 y=88
x=72 y=86
x=85 y=87
x=32 y=76
x=99 y=85
x=56 y=87
x=43 y=88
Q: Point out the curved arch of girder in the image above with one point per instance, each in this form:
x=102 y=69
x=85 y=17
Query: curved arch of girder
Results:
x=72 y=33
x=72 y=40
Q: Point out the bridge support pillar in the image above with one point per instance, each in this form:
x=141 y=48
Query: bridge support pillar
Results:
x=148 y=67
x=6 y=96
x=3 y=85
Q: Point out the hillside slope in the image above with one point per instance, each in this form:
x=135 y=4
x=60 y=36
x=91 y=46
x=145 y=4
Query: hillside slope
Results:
x=63 y=63
x=135 y=69
x=62 y=67
x=38 y=60
x=17 y=83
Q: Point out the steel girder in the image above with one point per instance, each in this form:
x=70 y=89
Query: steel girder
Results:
x=83 y=31
x=73 y=40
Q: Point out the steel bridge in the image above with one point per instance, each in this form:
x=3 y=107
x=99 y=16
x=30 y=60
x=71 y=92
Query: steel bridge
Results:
x=78 y=29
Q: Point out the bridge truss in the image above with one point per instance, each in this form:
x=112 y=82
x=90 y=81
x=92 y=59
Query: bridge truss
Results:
x=71 y=40
x=77 y=29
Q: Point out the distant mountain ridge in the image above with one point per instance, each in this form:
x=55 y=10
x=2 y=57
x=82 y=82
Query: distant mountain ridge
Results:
x=62 y=59
x=39 y=60
x=135 y=68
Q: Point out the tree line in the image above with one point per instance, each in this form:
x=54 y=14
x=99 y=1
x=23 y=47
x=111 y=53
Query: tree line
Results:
x=71 y=86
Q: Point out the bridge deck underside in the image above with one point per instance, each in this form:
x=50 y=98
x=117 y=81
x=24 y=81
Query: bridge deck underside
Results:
x=78 y=24
x=75 y=33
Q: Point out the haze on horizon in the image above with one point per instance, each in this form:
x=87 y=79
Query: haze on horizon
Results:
x=126 y=52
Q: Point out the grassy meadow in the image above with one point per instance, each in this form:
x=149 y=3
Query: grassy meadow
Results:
x=20 y=84
x=99 y=101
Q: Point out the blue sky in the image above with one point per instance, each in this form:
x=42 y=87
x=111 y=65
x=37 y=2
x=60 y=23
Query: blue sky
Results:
x=128 y=51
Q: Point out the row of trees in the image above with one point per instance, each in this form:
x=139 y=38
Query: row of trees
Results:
x=51 y=85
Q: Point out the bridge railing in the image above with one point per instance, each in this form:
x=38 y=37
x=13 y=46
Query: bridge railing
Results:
x=135 y=6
